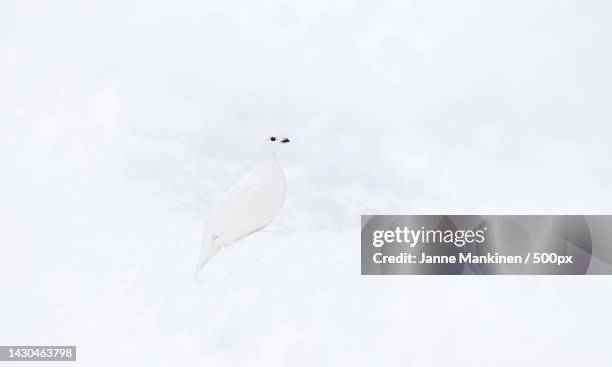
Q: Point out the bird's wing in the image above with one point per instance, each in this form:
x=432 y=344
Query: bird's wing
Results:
x=240 y=211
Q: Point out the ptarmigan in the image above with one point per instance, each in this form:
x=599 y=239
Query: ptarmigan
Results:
x=248 y=206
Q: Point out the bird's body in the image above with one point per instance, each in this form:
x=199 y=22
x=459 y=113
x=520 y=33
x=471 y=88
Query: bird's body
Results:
x=250 y=204
x=246 y=207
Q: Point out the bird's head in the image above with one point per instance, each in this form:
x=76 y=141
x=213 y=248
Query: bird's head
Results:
x=273 y=142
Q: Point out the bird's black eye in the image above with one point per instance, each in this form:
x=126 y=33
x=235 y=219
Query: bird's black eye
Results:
x=273 y=138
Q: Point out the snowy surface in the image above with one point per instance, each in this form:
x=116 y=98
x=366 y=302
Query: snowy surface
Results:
x=122 y=122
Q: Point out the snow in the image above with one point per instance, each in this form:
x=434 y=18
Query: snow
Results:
x=122 y=122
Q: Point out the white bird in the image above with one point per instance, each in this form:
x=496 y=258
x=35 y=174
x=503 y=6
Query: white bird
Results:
x=248 y=206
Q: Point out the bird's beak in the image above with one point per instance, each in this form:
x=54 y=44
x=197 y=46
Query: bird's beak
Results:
x=285 y=141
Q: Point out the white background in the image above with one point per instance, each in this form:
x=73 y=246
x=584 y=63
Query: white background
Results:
x=121 y=122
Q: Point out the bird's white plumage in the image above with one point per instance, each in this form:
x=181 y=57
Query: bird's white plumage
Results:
x=248 y=206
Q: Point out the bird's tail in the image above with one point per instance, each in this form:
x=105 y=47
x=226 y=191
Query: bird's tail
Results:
x=208 y=252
